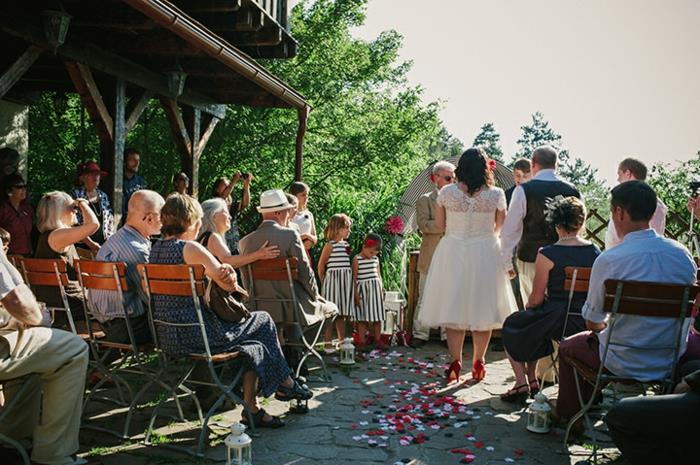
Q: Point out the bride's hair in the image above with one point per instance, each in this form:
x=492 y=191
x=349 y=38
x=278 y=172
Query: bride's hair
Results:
x=473 y=170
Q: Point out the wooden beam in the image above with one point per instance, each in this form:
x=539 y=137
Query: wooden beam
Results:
x=92 y=99
x=177 y=125
x=136 y=106
x=200 y=6
x=104 y=61
x=249 y=20
x=301 y=132
x=18 y=68
x=204 y=138
x=261 y=38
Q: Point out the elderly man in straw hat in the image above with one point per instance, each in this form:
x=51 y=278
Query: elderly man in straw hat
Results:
x=275 y=209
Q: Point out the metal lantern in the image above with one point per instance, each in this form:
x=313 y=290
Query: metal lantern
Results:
x=538 y=415
x=55 y=26
x=347 y=352
x=239 y=449
x=299 y=406
x=176 y=82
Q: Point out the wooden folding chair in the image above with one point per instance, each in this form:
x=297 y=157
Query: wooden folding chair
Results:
x=111 y=277
x=49 y=272
x=19 y=387
x=648 y=299
x=187 y=281
x=285 y=270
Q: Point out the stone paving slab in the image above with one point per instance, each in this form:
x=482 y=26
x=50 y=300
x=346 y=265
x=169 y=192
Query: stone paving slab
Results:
x=345 y=416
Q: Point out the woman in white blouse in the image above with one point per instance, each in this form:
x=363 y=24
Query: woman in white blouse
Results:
x=304 y=218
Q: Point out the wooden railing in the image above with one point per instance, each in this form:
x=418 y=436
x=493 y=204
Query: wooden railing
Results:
x=276 y=9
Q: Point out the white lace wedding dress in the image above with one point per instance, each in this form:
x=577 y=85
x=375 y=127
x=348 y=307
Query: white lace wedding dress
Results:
x=467 y=286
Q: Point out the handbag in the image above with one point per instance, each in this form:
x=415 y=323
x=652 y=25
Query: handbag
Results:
x=228 y=306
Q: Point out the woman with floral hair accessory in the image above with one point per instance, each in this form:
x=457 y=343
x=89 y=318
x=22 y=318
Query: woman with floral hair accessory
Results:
x=369 y=290
x=467 y=287
x=528 y=335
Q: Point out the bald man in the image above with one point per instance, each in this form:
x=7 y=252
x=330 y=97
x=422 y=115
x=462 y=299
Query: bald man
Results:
x=130 y=244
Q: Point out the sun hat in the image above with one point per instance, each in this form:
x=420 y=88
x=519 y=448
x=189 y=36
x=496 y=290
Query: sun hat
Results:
x=89 y=167
x=273 y=200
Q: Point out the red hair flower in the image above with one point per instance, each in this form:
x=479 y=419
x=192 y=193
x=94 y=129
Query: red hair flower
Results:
x=491 y=163
x=394 y=225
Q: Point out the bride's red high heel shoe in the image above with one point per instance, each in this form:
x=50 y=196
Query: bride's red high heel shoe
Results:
x=452 y=373
x=478 y=371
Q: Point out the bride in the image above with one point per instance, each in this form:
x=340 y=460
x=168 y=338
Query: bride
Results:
x=467 y=287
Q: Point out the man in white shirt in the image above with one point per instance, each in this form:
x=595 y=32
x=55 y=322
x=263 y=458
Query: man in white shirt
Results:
x=525 y=227
x=631 y=169
x=49 y=411
x=642 y=256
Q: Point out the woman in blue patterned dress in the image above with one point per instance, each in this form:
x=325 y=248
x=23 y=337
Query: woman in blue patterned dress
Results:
x=256 y=336
x=88 y=188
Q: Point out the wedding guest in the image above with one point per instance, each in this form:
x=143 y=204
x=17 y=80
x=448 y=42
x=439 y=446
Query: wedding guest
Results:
x=442 y=174
x=88 y=182
x=132 y=180
x=369 y=291
x=50 y=404
x=631 y=169
x=522 y=172
x=304 y=218
x=216 y=220
x=294 y=202
x=643 y=255
x=222 y=188
x=467 y=287
x=17 y=215
x=56 y=216
x=255 y=336
x=181 y=183
x=528 y=335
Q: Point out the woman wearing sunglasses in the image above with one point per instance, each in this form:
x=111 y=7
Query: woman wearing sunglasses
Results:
x=17 y=215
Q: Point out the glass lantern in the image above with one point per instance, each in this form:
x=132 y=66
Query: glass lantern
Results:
x=538 y=415
x=239 y=449
x=347 y=352
x=299 y=406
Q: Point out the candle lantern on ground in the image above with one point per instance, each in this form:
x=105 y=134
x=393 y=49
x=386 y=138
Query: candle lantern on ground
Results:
x=538 y=415
x=239 y=449
x=298 y=405
x=347 y=353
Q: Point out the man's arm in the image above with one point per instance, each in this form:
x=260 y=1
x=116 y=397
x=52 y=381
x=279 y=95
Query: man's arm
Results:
x=512 y=230
x=592 y=312
x=426 y=225
x=15 y=296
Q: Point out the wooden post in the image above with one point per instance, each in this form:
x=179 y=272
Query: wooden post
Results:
x=301 y=132
x=117 y=160
x=413 y=291
x=190 y=161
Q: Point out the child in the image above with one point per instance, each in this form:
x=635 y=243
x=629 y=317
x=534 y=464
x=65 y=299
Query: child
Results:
x=336 y=274
x=369 y=291
x=5 y=238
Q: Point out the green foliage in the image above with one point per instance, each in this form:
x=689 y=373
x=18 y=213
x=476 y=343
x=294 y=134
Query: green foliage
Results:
x=488 y=139
x=670 y=181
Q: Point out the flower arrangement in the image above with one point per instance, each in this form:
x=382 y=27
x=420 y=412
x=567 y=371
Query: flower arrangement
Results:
x=394 y=225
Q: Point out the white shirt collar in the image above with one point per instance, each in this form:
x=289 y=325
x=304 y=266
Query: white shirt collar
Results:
x=546 y=174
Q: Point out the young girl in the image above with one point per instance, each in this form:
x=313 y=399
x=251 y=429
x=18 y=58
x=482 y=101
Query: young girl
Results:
x=336 y=274
x=369 y=291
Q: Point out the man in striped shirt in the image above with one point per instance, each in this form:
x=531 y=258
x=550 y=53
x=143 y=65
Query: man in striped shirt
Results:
x=131 y=245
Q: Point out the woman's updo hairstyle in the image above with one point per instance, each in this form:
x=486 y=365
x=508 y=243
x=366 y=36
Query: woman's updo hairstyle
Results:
x=568 y=213
x=473 y=170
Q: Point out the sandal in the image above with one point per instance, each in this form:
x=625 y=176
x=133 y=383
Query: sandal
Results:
x=296 y=392
x=259 y=420
x=534 y=386
x=516 y=395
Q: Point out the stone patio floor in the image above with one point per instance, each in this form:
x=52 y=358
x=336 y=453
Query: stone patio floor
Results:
x=347 y=423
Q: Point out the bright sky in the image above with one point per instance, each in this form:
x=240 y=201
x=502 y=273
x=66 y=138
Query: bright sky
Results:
x=614 y=78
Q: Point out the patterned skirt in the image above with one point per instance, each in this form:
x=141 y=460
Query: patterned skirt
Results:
x=371 y=306
x=337 y=288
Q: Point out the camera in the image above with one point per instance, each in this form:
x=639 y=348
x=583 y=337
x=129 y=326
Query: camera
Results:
x=245 y=176
x=694 y=187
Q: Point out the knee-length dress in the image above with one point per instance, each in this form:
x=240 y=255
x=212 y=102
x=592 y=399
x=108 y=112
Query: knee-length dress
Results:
x=369 y=285
x=527 y=335
x=337 y=285
x=256 y=337
x=467 y=287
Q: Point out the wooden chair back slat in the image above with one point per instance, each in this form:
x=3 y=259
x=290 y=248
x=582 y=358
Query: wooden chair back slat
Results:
x=173 y=279
x=104 y=283
x=44 y=265
x=583 y=276
x=45 y=279
x=649 y=299
x=178 y=288
x=15 y=260
x=275 y=269
x=172 y=272
x=100 y=275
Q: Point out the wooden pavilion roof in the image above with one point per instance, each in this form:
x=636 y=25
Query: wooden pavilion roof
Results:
x=141 y=41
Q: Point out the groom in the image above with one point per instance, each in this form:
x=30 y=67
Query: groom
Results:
x=525 y=226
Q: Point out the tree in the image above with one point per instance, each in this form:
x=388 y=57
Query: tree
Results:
x=488 y=139
x=537 y=133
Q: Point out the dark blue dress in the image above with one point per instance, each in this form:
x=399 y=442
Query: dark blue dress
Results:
x=527 y=335
x=256 y=337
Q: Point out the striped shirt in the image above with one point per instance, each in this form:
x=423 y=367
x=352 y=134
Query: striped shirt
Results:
x=129 y=246
x=340 y=255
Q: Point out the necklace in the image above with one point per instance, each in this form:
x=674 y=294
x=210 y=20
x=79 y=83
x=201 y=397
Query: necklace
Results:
x=566 y=238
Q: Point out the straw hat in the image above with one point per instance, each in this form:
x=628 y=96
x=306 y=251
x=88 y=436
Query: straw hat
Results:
x=273 y=200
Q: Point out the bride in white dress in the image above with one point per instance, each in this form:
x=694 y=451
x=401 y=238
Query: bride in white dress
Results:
x=468 y=287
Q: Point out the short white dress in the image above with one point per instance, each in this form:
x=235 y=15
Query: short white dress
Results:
x=467 y=286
